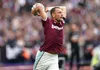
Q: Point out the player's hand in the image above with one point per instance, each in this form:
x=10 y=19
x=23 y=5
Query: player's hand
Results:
x=33 y=10
x=37 y=8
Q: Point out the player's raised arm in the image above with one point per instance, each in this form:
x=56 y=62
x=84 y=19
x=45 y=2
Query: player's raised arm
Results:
x=38 y=9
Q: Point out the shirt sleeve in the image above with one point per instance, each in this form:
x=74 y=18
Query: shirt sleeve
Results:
x=44 y=21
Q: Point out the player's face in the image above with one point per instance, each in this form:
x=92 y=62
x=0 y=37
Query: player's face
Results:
x=58 y=14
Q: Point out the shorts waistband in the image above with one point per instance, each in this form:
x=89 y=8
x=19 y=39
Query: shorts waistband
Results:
x=49 y=52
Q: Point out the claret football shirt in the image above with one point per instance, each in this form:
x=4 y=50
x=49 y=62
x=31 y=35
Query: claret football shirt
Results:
x=53 y=42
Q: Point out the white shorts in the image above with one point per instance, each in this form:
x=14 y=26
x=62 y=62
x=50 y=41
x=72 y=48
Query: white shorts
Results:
x=46 y=61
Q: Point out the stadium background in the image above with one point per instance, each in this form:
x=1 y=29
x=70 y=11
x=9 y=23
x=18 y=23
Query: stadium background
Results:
x=21 y=34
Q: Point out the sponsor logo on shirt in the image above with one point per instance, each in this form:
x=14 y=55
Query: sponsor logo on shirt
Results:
x=56 y=27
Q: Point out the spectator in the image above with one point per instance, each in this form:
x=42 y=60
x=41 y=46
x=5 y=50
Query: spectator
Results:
x=74 y=39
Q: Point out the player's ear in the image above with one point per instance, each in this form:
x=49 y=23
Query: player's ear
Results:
x=53 y=15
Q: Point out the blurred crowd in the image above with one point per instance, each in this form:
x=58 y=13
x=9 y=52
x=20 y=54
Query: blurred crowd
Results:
x=21 y=34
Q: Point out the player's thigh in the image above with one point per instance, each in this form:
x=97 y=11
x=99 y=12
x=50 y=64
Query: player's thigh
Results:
x=41 y=61
x=53 y=67
x=38 y=65
x=41 y=68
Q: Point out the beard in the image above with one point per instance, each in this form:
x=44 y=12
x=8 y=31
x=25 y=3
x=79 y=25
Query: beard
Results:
x=60 y=20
